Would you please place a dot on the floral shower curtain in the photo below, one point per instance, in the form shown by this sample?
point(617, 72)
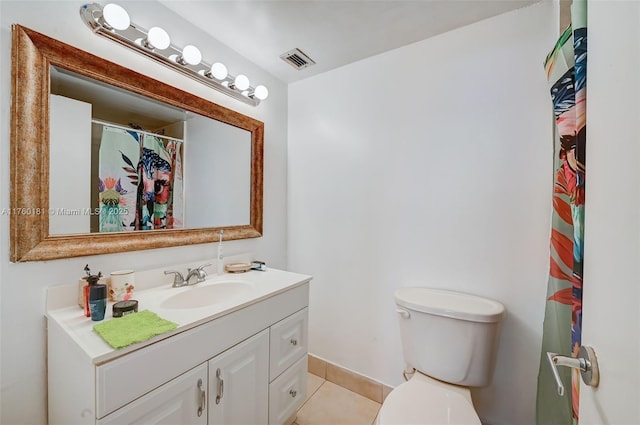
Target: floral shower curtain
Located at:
point(139, 181)
point(156, 173)
point(116, 192)
point(566, 68)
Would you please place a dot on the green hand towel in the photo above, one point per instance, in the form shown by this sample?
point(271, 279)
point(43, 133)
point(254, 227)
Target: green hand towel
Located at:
point(132, 328)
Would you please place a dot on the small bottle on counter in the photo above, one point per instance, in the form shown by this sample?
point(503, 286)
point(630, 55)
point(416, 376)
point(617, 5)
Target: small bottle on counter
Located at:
point(82, 282)
point(97, 301)
point(85, 291)
point(92, 281)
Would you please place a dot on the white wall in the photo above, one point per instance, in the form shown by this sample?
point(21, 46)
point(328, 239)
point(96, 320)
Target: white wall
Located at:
point(226, 186)
point(428, 165)
point(22, 286)
point(66, 114)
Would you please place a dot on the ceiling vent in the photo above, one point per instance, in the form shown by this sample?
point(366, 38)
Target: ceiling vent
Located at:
point(297, 59)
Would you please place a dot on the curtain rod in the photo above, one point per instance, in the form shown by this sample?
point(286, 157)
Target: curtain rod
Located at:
point(122, 127)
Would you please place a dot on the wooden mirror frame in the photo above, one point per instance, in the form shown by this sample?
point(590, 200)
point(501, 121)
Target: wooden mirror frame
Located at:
point(32, 56)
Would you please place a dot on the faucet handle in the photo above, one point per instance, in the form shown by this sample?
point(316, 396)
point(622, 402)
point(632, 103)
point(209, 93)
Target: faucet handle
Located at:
point(178, 279)
point(198, 272)
point(202, 273)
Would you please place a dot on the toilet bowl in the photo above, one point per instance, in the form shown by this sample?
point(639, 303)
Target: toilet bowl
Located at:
point(450, 340)
point(424, 400)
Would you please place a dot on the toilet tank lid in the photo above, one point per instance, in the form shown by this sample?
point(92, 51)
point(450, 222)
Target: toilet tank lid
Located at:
point(457, 305)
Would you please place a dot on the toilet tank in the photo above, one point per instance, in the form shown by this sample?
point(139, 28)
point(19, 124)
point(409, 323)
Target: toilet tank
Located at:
point(450, 336)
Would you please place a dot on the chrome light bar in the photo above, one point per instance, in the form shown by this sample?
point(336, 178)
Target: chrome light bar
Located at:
point(113, 22)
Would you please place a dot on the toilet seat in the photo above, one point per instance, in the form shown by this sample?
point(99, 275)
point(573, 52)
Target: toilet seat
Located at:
point(424, 400)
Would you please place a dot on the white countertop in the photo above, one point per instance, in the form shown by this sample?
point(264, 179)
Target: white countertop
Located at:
point(70, 317)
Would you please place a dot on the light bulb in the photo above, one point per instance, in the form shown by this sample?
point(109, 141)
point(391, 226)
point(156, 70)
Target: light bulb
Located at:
point(191, 55)
point(116, 17)
point(158, 38)
point(219, 71)
point(261, 92)
point(241, 82)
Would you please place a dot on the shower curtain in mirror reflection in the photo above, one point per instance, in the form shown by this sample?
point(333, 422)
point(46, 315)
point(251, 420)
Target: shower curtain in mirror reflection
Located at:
point(566, 68)
point(139, 181)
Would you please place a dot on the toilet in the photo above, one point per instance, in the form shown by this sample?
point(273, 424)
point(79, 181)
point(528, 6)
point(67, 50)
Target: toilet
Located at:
point(450, 339)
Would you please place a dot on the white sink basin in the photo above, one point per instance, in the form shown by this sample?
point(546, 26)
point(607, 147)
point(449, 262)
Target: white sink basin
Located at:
point(202, 296)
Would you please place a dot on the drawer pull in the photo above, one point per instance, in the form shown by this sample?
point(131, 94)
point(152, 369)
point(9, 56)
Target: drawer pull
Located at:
point(203, 398)
point(293, 393)
point(220, 386)
point(294, 342)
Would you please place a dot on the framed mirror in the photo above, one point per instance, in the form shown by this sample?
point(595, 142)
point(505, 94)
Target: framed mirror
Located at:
point(58, 205)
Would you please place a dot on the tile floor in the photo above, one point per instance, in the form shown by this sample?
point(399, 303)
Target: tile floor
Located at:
point(330, 404)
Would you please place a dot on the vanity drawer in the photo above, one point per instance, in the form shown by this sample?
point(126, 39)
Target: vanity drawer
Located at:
point(287, 393)
point(288, 342)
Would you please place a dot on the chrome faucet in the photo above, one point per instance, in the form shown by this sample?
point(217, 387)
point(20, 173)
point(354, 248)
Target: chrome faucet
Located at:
point(179, 280)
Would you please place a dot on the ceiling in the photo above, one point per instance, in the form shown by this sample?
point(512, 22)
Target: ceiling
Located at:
point(112, 104)
point(332, 32)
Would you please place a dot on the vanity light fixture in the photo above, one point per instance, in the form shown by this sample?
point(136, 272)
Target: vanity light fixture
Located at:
point(157, 38)
point(218, 71)
point(261, 92)
point(241, 82)
point(190, 55)
point(116, 17)
point(112, 21)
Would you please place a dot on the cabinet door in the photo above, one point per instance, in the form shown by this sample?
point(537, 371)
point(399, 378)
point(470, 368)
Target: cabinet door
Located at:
point(239, 383)
point(179, 401)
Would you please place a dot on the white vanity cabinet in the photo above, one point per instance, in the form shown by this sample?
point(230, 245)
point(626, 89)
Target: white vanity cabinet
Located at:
point(245, 365)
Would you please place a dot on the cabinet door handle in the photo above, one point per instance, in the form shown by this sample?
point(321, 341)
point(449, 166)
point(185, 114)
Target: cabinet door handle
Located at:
point(203, 398)
point(220, 386)
point(294, 342)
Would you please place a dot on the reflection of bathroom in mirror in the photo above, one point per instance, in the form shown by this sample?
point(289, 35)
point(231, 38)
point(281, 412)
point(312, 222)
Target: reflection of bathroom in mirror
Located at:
point(121, 162)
